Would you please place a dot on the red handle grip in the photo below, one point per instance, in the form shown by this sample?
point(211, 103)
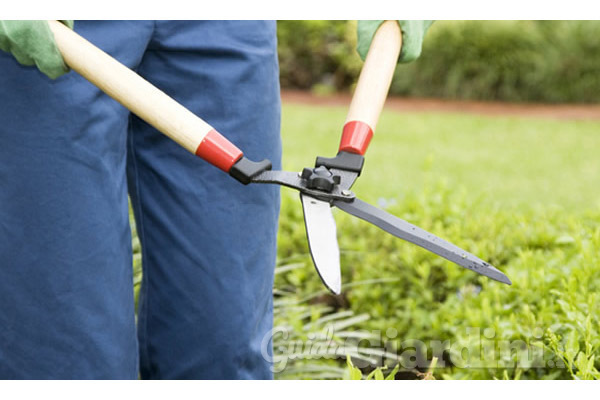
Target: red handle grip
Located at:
point(356, 137)
point(218, 151)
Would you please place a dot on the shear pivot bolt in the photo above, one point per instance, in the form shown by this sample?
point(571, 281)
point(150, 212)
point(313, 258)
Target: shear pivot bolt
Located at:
point(320, 178)
point(346, 192)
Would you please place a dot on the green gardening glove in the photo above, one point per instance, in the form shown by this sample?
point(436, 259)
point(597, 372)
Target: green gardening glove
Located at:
point(413, 33)
point(32, 43)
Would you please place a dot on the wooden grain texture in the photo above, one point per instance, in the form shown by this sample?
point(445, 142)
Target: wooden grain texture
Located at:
point(376, 75)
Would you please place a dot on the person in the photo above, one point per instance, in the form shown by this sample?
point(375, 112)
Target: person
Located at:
point(69, 158)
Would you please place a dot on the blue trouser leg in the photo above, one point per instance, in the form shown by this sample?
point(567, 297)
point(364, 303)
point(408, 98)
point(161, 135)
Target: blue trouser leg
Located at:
point(208, 242)
point(66, 302)
point(66, 307)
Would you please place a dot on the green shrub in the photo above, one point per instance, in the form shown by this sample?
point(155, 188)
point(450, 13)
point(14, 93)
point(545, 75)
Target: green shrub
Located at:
point(543, 61)
point(315, 54)
point(551, 61)
point(551, 257)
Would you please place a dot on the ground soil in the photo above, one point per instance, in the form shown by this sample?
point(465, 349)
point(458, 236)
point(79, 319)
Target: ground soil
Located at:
point(557, 111)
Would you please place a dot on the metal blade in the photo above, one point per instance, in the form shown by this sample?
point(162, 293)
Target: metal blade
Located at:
point(420, 237)
point(322, 241)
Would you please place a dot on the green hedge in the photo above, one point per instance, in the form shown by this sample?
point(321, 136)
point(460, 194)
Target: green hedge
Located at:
point(542, 61)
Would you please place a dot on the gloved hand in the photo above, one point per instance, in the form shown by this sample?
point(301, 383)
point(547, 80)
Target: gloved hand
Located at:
point(32, 43)
point(413, 33)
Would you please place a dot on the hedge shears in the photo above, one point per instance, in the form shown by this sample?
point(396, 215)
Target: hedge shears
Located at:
point(328, 184)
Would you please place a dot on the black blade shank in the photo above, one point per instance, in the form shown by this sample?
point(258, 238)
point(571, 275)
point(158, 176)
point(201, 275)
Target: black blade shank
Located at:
point(420, 237)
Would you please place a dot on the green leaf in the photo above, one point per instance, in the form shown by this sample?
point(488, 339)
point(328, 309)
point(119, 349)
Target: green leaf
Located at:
point(392, 375)
point(355, 373)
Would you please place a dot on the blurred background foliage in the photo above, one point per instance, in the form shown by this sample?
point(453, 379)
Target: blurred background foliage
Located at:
point(517, 61)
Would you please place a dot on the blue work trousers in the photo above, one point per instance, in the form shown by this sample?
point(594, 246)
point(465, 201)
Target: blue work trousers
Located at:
point(69, 157)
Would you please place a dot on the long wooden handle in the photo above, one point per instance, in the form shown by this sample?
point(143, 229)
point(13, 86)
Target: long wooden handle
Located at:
point(144, 99)
point(372, 88)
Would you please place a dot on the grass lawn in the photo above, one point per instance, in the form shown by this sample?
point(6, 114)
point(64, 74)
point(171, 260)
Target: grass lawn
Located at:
point(522, 193)
point(512, 161)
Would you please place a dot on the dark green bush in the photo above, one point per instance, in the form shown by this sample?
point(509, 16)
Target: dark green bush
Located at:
point(317, 53)
point(543, 61)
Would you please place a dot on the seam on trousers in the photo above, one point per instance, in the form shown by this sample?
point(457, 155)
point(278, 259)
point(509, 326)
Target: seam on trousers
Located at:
point(141, 235)
point(145, 267)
